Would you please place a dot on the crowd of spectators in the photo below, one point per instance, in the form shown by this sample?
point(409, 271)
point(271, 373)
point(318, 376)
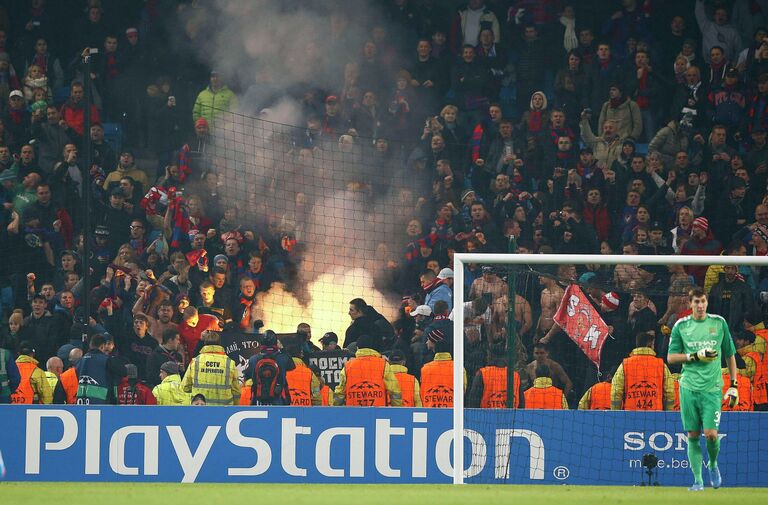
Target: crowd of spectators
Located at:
point(634, 127)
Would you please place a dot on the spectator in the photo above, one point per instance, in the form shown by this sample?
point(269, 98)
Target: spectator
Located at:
point(366, 321)
point(166, 351)
point(267, 373)
point(731, 297)
point(623, 111)
point(607, 146)
point(214, 100)
point(717, 31)
point(468, 22)
point(73, 111)
point(132, 391)
point(543, 395)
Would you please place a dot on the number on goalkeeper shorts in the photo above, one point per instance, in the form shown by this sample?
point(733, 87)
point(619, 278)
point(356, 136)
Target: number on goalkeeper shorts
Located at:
point(592, 336)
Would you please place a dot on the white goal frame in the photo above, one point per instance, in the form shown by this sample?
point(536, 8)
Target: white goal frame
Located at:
point(460, 259)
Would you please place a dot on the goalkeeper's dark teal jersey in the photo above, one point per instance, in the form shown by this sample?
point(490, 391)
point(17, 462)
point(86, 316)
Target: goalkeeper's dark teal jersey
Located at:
point(690, 336)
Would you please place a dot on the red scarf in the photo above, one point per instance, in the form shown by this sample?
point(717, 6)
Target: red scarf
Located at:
point(616, 102)
point(643, 101)
point(245, 321)
point(534, 121)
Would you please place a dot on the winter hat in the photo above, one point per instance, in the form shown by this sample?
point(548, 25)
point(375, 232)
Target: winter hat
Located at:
point(201, 122)
point(611, 300)
point(220, 257)
point(701, 223)
point(170, 367)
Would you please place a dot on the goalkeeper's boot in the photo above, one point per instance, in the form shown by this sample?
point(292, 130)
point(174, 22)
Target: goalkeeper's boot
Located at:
point(697, 486)
point(714, 477)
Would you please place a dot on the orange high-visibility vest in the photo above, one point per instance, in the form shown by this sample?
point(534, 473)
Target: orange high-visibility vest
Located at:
point(365, 382)
point(745, 393)
point(25, 393)
point(643, 383)
point(549, 397)
point(407, 382)
point(676, 405)
point(760, 379)
point(246, 392)
point(300, 385)
point(600, 396)
point(495, 388)
point(437, 384)
point(68, 380)
point(326, 393)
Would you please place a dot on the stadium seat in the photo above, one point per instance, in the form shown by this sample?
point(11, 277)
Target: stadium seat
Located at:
point(113, 133)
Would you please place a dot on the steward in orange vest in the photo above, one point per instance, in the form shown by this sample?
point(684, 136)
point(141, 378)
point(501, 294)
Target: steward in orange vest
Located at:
point(367, 380)
point(409, 385)
point(543, 395)
point(246, 392)
point(489, 385)
point(326, 393)
point(676, 384)
point(65, 391)
point(748, 347)
point(437, 375)
point(746, 403)
point(34, 386)
point(598, 397)
point(642, 381)
point(302, 383)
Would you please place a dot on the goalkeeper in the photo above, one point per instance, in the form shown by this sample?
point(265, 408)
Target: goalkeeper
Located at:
point(698, 341)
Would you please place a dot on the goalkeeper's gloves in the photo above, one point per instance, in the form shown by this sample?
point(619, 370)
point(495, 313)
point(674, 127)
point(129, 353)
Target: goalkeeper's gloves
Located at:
point(732, 394)
point(705, 355)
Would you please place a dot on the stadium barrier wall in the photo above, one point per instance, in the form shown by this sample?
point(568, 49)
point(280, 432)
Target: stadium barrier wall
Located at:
point(361, 445)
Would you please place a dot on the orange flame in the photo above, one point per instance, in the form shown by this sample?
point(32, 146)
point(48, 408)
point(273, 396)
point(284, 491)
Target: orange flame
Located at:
point(330, 294)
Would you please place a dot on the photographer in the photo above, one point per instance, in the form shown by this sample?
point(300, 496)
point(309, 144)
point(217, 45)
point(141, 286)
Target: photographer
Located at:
point(583, 239)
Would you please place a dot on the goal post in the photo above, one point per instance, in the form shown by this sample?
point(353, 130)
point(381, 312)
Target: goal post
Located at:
point(463, 433)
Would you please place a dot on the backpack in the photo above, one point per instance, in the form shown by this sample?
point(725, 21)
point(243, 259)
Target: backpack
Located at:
point(266, 376)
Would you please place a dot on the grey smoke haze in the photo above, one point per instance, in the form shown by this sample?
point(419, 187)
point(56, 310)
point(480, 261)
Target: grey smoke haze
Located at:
point(323, 197)
point(272, 47)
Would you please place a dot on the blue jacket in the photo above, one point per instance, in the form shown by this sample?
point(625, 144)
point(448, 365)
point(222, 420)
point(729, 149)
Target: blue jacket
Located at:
point(440, 292)
point(11, 375)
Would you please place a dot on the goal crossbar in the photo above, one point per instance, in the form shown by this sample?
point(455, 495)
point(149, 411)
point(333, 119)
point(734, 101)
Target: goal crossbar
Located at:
point(460, 259)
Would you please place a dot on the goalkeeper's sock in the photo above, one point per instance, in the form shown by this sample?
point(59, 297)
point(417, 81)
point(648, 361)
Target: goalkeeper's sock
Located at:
point(713, 449)
point(695, 458)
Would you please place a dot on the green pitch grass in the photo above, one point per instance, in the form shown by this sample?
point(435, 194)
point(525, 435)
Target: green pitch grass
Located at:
point(335, 494)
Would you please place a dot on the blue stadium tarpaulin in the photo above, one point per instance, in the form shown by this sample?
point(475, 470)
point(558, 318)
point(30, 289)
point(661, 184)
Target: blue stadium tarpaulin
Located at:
point(364, 445)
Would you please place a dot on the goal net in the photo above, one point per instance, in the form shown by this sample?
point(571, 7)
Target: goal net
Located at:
point(564, 384)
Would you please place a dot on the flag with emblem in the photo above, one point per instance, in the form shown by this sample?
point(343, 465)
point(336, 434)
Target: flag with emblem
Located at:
point(583, 324)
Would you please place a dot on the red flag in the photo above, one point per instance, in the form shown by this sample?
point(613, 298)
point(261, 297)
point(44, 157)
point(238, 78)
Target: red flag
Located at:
point(581, 321)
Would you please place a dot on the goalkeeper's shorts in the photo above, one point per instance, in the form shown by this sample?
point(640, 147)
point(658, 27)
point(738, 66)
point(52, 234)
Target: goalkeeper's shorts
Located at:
point(700, 409)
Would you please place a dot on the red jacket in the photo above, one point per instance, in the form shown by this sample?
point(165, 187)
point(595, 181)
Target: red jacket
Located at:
point(141, 394)
point(600, 219)
point(74, 116)
point(191, 336)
